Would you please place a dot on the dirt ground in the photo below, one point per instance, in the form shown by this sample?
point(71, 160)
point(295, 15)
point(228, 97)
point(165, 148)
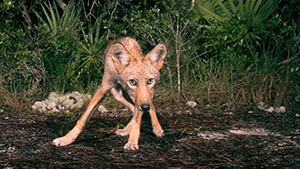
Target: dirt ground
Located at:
point(200, 137)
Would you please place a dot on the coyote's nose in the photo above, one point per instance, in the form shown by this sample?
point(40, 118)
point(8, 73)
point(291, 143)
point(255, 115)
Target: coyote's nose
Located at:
point(145, 107)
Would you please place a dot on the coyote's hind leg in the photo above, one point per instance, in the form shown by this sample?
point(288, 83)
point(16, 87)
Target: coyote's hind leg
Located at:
point(117, 93)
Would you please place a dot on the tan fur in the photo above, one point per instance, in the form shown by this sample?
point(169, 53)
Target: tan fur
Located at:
point(126, 71)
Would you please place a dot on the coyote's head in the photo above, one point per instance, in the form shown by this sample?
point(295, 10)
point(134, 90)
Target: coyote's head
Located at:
point(138, 74)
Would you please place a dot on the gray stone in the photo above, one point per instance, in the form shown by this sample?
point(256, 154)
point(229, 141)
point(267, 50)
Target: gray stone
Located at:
point(191, 104)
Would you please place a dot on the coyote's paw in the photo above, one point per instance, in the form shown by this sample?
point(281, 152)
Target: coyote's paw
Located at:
point(62, 141)
point(159, 133)
point(131, 146)
point(123, 132)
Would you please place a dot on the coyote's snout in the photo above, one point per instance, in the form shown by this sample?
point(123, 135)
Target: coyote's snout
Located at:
point(131, 78)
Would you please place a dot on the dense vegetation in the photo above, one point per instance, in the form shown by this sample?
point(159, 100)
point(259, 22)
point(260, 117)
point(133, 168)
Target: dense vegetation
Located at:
point(219, 51)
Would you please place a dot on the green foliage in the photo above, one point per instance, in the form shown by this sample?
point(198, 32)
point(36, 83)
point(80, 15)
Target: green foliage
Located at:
point(235, 51)
point(243, 48)
point(74, 56)
point(254, 12)
point(61, 32)
point(22, 74)
point(169, 24)
point(88, 65)
point(59, 24)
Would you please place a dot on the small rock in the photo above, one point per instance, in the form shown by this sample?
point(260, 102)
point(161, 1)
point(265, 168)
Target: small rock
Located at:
point(191, 104)
point(34, 107)
point(250, 112)
point(40, 104)
point(55, 109)
point(102, 109)
point(282, 109)
point(53, 97)
point(60, 107)
point(277, 110)
point(37, 151)
point(87, 98)
point(47, 101)
point(229, 113)
point(67, 103)
point(51, 105)
point(56, 102)
point(270, 110)
point(76, 93)
point(11, 149)
point(260, 105)
point(79, 104)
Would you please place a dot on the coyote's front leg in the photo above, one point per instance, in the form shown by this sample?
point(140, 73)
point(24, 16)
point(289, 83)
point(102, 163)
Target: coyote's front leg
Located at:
point(134, 126)
point(72, 135)
point(157, 130)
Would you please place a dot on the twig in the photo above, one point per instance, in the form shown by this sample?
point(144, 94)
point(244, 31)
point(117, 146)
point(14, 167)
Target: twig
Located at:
point(193, 4)
point(287, 61)
point(198, 148)
point(61, 4)
point(25, 13)
point(220, 156)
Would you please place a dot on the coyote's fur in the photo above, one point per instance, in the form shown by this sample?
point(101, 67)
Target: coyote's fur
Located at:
point(126, 73)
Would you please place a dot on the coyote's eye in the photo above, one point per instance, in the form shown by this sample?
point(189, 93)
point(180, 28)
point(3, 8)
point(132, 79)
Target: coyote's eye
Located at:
point(150, 81)
point(132, 82)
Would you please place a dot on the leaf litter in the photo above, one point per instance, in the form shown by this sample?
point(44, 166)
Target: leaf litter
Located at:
point(194, 138)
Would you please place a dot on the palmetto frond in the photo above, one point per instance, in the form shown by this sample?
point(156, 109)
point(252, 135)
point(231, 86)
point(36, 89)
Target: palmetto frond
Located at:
point(254, 12)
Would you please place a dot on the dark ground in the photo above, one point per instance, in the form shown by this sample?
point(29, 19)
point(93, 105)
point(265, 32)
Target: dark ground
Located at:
point(194, 138)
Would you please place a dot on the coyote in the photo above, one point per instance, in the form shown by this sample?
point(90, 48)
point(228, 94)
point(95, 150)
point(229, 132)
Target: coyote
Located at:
point(131, 78)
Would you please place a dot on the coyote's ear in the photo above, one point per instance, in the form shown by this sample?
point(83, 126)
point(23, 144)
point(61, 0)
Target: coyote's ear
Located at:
point(157, 55)
point(121, 57)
